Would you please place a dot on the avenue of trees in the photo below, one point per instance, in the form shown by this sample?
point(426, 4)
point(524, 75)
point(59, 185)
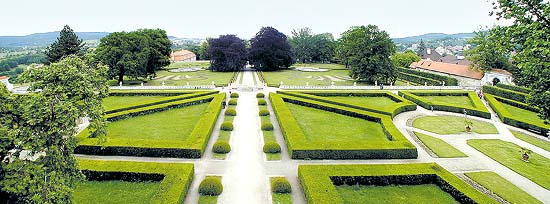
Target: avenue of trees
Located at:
point(227, 53)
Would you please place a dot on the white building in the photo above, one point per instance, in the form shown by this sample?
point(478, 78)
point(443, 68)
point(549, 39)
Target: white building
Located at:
point(4, 80)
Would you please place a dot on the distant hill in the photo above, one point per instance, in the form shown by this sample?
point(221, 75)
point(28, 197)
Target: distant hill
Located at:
point(44, 39)
point(433, 37)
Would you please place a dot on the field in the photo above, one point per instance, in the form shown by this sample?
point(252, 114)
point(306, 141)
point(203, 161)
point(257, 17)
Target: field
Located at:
point(426, 193)
point(447, 125)
point(439, 147)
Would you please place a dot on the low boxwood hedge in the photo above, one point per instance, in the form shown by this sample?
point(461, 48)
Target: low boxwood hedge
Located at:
point(280, 185)
point(227, 126)
point(211, 186)
point(260, 95)
point(514, 88)
point(319, 181)
point(396, 147)
point(418, 79)
point(230, 112)
point(234, 95)
point(221, 147)
point(267, 126)
point(262, 102)
point(271, 148)
point(416, 96)
point(232, 102)
point(175, 178)
point(162, 100)
point(192, 147)
point(505, 93)
point(263, 112)
point(537, 126)
point(137, 92)
point(449, 81)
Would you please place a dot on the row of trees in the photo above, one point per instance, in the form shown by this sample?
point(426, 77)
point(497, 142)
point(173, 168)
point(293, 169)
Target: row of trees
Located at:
point(309, 47)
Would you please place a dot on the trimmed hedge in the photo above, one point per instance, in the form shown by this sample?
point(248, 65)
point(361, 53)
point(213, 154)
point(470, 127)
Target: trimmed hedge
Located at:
point(260, 95)
point(230, 112)
point(449, 81)
point(211, 186)
point(192, 147)
point(416, 96)
point(271, 148)
point(267, 126)
point(396, 147)
point(402, 105)
point(175, 178)
point(417, 79)
point(227, 126)
point(221, 147)
point(280, 185)
point(232, 102)
point(538, 127)
point(262, 102)
point(137, 92)
point(234, 95)
point(161, 101)
point(319, 181)
point(514, 88)
point(263, 112)
point(505, 93)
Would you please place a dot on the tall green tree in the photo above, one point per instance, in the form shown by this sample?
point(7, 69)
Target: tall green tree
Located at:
point(486, 53)
point(40, 129)
point(67, 44)
point(404, 59)
point(529, 38)
point(309, 47)
point(203, 50)
point(367, 50)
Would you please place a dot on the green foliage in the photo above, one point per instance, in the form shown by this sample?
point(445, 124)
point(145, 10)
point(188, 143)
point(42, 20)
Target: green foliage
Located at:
point(152, 102)
point(260, 95)
point(269, 50)
point(234, 95)
point(404, 59)
point(230, 112)
point(70, 89)
point(420, 77)
point(221, 147)
point(367, 51)
point(203, 51)
point(502, 187)
point(506, 93)
point(67, 44)
point(280, 185)
point(263, 112)
point(211, 186)
point(486, 53)
point(514, 88)
point(309, 47)
point(419, 97)
point(267, 126)
point(262, 102)
point(10, 63)
point(446, 125)
point(522, 120)
point(227, 53)
point(232, 102)
point(271, 148)
point(227, 126)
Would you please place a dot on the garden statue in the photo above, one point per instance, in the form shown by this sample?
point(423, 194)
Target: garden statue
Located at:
point(307, 83)
point(425, 83)
point(375, 83)
point(354, 83)
point(119, 83)
point(525, 155)
point(141, 83)
point(332, 83)
point(468, 123)
point(163, 83)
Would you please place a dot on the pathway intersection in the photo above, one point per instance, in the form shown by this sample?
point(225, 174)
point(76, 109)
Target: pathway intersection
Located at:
point(245, 172)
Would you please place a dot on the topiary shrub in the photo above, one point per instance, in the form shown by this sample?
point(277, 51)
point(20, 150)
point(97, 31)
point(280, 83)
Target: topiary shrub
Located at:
point(263, 112)
point(221, 147)
point(211, 186)
point(262, 102)
point(280, 185)
point(267, 126)
point(234, 95)
point(272, 147)
point(227, 126)
point(260, 95)
point(230, 112)
point(232, 102)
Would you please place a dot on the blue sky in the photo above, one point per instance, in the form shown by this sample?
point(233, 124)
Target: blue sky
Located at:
point(210, 18)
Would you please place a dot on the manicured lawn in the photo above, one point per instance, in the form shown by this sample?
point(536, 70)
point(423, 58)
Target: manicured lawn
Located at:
point(509, 155)
point(175, 65)
point(502, 187)
point(336, 73)
point(532, 140)
point(194, 78)
point(320, 125)
point(116, 102)
point(376, 102)
point(525, 115)
point(280, 198)
point(454, 100)
point(269, 136)
point(439, 147)
point(208, 199)
point(115, 192)
point(446, 125)
point(224, 135)
point(175, 124)
point(426, 193)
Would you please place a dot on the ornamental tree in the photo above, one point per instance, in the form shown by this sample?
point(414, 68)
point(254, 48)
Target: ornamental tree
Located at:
point(270, 50)
point(227, 53)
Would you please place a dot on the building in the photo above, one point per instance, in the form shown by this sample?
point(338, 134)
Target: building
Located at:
point(429, 54)
point(183, 56)
point(4, 80)
point(453, 59)
point(502, 75)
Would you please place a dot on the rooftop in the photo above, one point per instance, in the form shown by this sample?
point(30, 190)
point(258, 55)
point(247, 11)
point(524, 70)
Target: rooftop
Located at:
point(447, 68)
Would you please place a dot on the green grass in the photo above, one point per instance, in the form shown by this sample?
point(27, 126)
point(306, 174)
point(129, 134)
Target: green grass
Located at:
point(224, 135)
point(375, 102)
point(453, 100)
point(175, 65)
point(502, 187)
point(525, 115)
point(532, 140)
point(446, 125)
point(175, 124)
point(319, 65)
point(117, 102)
point(509, 155)
point(280, 198)
point(269, 136)
point(316, 127)
point(115, 192)
point(427, 193)
point(295, 77)
point(439, 147)
point(194, 78)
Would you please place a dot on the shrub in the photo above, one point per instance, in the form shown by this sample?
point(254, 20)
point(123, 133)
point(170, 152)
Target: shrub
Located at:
point(272, 147)
point(227, 126)
point(449, 81)
point(514, 88)
point(267, 126)
point(232, 102)
point(234, 95)
point(260, 95)
point(262, 102)
point(280, 185)
point(211, 186)
point(505, 93)
point(221, 147)
point(264, 112)
point(230, 112)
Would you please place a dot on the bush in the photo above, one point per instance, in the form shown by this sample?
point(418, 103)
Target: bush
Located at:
point(272, 148)
point(230, 112)
point(227, 126)
point(514, 88)
point(417, 97)
point(505, 93)
point(211, 186)
point(232, 102)
point(262, 102)
point(267, 126)
point(260, 95)
point(264, 112)
point(234, 95)
point(280, 185)
point(221, 147)
point(449, 81)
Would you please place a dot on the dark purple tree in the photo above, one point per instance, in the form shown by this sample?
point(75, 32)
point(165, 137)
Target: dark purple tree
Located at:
point(227, 53)
point(270, 50)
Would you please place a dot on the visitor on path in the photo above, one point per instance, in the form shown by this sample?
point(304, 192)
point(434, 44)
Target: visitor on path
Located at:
point(224, 104)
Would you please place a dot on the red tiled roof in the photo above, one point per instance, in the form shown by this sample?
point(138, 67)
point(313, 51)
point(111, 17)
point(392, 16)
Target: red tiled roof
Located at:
point(182, 55)
point(447, 68)
point(3, 77)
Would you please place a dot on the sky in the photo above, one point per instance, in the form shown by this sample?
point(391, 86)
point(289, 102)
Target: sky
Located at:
point(211, 18)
